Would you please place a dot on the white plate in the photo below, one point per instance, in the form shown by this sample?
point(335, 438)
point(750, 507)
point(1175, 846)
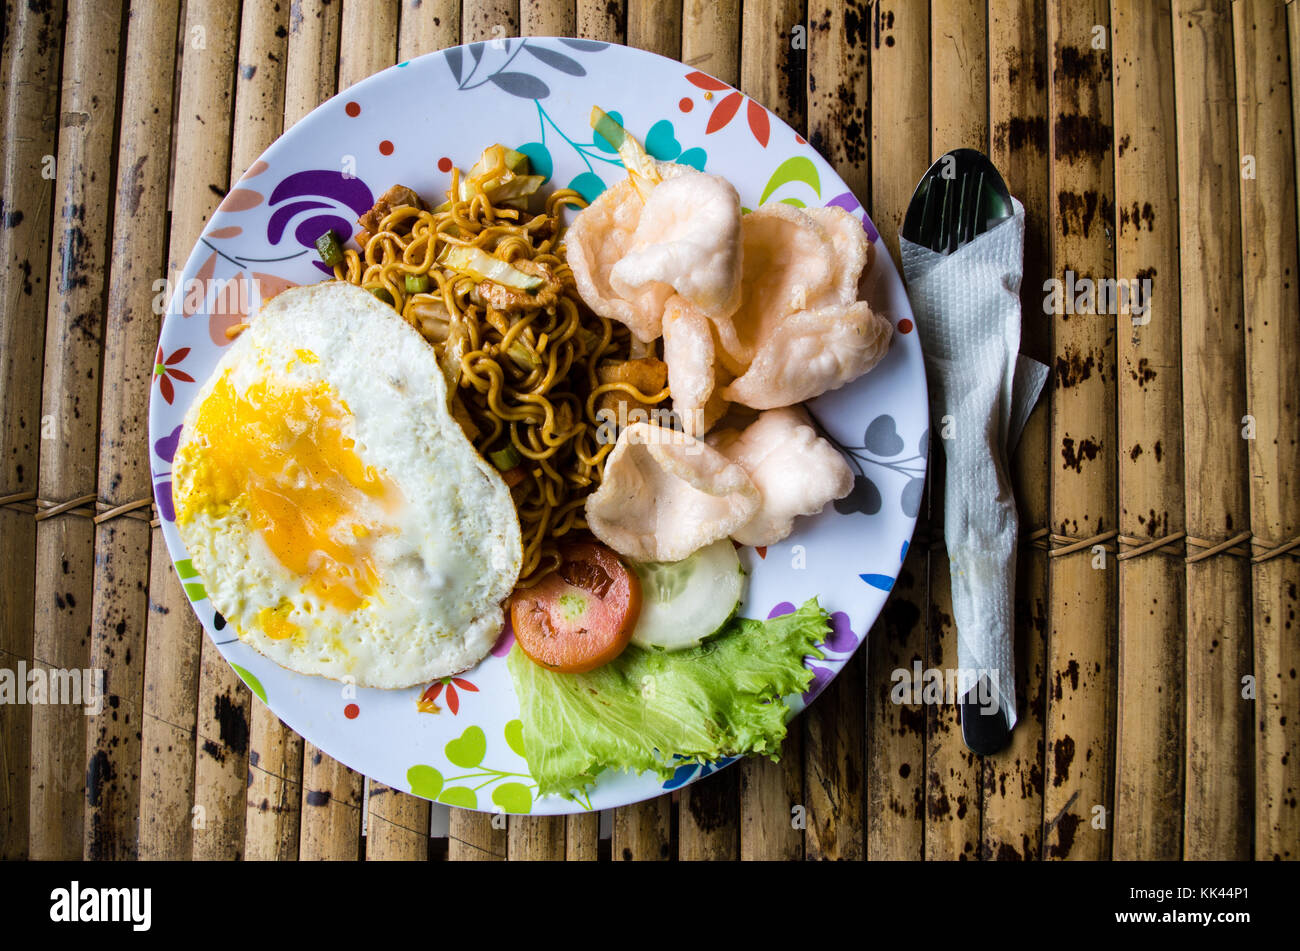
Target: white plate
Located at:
point(410, 124)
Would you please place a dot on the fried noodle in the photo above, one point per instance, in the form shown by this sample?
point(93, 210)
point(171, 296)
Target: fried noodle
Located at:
point(524, 376)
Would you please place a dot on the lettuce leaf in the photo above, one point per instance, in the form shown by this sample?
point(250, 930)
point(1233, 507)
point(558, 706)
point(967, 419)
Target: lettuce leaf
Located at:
point(723, 698)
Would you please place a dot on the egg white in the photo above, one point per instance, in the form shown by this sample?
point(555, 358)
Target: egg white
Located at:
point(445, 560)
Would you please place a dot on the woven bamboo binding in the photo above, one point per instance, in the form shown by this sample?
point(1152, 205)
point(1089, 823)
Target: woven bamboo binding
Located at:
point(85, 506)
point(1128, 546)
point(1056, 545)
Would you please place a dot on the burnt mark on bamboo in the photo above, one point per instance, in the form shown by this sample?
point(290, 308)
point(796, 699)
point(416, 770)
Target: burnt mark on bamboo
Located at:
point(1138, 215)
point(901, 615)
point(232, 723)
point(937, 806)
point(100, 772)
point(75, 257)
point(1074, 457)
point(1062, 757)
point(1079, 136)
point(1021, 132)
point(1143, 374)
point(1077, 212)
point(881, 24)
point(1066, 827)
point(1072, 368)
point(711, 804)
point(133, 186)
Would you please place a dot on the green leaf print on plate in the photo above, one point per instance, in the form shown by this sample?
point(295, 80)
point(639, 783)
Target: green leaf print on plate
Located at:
point(425, 781)
point(515, 736)
point(513, 797)
point(798, 168)
point(467, 751)
point(193, 589)
point(459, 796)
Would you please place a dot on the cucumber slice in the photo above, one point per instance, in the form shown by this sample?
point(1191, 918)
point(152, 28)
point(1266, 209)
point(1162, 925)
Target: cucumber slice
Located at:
point(683, 602)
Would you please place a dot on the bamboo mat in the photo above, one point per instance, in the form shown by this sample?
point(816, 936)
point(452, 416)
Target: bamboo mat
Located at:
point(1157, 640)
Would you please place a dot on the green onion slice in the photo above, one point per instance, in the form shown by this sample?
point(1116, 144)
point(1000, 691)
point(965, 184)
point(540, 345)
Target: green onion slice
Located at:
point(329, 249)
point(506, 459)
point(640, 166)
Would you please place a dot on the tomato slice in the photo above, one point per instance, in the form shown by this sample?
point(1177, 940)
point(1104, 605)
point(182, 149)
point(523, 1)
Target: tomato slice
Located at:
point(581, 615)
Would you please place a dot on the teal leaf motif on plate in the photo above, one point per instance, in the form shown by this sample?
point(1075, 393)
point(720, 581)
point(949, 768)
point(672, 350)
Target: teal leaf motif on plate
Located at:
point(589, 185)
point(539, 158)
point(695, 158)
point(661, 143)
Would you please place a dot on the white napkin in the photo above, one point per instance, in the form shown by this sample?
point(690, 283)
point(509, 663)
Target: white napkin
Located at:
point(967, 309)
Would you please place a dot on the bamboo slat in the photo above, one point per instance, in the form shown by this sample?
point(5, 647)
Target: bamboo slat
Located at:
point(603, 20)
point(1272, 334)
point(397, 825)
point(332, 798)
point(774, 57)
point(489, 20)
point(541, 838)
point(548, 18)
point(952, 772)
point(1081, 698)
point(427, 25)
point(1150, 709)
point(643, 830)
point(900, 154)
point(1219, 755)
point(834, 729)
point(225, 704)
point(472, 835)
point(368, 39)
point(582, 837)
point(655, 25)
point(708, 813)
point(62, 781)
point(958, 118)
point(313, 55)
point(1293, 28)
point(119, 607)
point(1012, 808)
point(273, 812)
point(333, 794)
point(536, 838)
point(33, 45)
point(711, 37)
point(170, 811)
point(895, 776)
point(773, 72)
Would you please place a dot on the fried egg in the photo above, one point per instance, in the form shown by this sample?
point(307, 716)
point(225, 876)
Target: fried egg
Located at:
point(338, 516)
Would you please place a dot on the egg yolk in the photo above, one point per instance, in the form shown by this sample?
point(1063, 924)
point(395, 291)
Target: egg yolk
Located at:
point(280, 452)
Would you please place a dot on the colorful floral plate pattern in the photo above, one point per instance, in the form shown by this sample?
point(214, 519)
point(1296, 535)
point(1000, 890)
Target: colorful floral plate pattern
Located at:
point(411, 124)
